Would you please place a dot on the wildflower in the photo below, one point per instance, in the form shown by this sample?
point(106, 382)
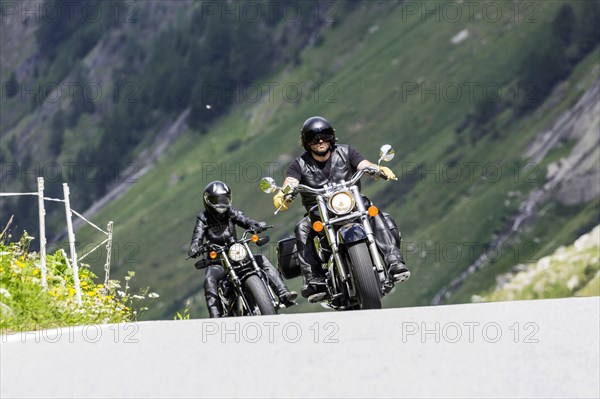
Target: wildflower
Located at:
point(121, 293)
point(4, 292)
point(137, 297)
point(153, 295)
point(113, 284)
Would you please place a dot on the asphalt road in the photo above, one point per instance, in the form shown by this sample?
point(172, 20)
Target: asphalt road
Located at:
point(544, 348)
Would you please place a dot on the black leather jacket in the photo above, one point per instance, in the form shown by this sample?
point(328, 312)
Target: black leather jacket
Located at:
point(313, 176)
point(219, 229)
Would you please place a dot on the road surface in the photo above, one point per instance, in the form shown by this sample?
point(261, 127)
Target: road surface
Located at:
point(544, 348)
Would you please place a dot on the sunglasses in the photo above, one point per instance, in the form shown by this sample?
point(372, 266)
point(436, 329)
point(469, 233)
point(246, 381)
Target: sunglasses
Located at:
point(315, 138)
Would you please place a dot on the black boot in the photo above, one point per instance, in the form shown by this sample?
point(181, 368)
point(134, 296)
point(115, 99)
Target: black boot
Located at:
point(288, 298)
point(214, 312)
point(399, 272)
point(307, 278)
point(313, 284)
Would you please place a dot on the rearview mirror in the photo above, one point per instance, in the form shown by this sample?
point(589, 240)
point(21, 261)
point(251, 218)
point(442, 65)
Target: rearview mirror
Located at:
point(386, 153)
point(267, 185)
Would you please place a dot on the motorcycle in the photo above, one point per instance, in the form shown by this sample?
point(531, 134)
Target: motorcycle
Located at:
point(355, 276)
point(245, 290)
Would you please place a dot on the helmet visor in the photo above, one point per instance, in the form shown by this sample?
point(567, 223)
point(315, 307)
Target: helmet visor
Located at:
point(313, 137)
point(218, 201)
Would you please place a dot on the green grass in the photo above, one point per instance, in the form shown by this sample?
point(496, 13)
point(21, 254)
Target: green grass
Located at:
point(368, 72)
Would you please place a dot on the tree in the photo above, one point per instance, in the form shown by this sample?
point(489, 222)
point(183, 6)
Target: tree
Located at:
point(539, 73)
point(587, 34)
point(57, 128)
point(563, 25)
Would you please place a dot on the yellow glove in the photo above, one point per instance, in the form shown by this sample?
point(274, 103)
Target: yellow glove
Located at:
point(388, 173)
point(279, 201)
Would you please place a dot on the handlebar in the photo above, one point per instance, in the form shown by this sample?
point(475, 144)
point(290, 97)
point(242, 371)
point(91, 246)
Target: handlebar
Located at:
point(355, 178)
point(301, 188)
point(211, 246)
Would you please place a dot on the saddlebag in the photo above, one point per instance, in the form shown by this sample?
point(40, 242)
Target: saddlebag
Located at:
point(287, 258)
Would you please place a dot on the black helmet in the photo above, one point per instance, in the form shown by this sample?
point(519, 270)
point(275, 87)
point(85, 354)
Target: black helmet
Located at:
point(315, 128)
point(217, 198)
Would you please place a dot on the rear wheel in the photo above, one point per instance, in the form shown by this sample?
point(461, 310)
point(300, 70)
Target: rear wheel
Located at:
point(365, 280)
point(259, 296)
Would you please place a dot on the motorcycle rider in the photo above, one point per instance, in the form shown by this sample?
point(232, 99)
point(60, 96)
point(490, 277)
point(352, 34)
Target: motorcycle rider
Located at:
point(216, 224)
point(322, 163)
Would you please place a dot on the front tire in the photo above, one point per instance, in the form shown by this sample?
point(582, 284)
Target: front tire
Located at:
point(366, 283)
point(259, 295)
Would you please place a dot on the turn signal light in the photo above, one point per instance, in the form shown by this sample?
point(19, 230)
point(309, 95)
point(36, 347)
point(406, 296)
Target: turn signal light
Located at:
point(373, 211)
point(212, 255)
point(254, 238)
point(318, 226)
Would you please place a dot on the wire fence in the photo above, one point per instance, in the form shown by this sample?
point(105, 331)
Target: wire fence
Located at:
point(72, 261)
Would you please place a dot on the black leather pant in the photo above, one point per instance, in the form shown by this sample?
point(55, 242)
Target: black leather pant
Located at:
point(215, 273)
point(308, 257)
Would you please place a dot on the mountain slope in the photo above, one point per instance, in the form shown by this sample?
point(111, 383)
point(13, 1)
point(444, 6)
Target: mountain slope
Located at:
point(443, 92)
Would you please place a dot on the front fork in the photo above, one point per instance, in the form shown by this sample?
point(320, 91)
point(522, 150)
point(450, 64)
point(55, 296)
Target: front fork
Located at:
point(237, 284)
point(370, 235)
point(263, 274)
point(332, 243)
point(372, 244)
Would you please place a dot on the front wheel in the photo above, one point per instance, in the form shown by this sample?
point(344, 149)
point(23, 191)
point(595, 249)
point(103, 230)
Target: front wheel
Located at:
point(365, 280)
point(259, 296)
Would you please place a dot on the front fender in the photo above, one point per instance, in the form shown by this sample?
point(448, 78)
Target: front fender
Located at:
point(351, 232)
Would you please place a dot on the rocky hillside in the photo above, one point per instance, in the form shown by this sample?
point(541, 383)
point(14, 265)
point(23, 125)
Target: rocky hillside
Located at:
point(572, 270)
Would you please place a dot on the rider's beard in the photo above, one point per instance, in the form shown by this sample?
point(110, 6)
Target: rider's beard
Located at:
point(322, 153)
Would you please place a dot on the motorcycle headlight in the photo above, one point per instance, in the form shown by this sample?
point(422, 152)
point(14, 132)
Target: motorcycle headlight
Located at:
point(341, 203)
point(237, 252)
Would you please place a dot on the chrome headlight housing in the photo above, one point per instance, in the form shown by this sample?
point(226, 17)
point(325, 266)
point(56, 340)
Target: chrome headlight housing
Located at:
point(237, 252)
point(341, 203)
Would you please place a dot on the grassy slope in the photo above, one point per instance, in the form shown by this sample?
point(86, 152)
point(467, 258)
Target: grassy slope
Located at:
point(368, 71)
point(568, 271)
